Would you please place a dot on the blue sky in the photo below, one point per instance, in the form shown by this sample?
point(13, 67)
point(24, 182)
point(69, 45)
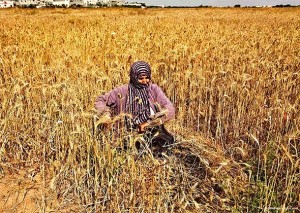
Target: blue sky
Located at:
point(218, 2)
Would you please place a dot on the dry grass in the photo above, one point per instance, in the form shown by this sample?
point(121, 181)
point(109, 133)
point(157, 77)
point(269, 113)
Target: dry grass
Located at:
point(233, 75)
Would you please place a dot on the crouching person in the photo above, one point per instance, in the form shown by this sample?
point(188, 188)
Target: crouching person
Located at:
point(145, 103)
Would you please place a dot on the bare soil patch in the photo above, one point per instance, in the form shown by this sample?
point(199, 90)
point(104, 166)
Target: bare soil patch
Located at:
point(25, 191)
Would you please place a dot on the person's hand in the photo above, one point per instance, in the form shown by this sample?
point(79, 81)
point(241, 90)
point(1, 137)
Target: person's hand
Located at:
point(156, 119)
point(155, 122)
point(143, 127)
point(160, 114)
point(104, 120)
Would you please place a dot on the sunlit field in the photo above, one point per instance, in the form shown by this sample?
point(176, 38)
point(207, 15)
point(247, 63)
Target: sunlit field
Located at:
point(232, 74)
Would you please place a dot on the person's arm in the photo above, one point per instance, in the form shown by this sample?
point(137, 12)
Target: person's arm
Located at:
point(164, 103)
point(105, 103)
point(166, 113)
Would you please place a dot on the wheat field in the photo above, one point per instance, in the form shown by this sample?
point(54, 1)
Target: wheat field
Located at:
point(232, 74)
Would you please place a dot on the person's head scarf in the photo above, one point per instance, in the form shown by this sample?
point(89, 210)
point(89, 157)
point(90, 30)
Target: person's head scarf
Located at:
point(138, 94)
point(138, 69)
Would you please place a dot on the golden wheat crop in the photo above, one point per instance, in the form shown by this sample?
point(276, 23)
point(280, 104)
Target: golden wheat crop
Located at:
point(233, 75)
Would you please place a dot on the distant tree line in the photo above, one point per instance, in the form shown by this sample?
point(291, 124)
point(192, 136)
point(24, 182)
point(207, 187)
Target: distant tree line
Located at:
point(200, 6)
point(237, 6)
point(281, 5)
point(285, 5)
point(139, 5)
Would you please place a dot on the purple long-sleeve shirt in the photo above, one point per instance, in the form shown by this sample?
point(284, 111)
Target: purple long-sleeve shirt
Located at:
point(116, 99)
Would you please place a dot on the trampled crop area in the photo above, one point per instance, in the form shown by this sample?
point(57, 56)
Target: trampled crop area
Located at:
point(232, 74)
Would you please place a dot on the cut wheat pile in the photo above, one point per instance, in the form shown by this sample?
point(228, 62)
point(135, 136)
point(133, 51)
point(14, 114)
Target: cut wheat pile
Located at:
point(232, 74)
